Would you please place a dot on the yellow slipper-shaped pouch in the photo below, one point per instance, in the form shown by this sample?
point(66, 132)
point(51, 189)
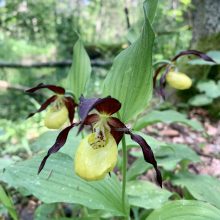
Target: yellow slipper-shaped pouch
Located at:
point(55, 118)
point(94, 161)
point(178, 80)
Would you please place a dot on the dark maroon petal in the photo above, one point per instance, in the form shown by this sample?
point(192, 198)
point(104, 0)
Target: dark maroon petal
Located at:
point(118, 128)
point(194, 52)
point(44, 105)
point(157, 73)
point(148, 154)
point(56, 89)
point(70, 105)
point(106, 105)
point(85, 106)
point(163, 81)
point(90, 119)
point(60, 141)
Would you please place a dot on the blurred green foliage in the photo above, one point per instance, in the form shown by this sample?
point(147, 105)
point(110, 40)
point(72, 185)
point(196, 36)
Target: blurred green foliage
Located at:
point(39, 31)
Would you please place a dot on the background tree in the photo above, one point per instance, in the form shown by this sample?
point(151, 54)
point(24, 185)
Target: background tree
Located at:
point(206, 25)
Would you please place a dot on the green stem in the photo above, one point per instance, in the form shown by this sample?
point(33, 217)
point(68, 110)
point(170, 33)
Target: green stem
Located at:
point(124, 173)
point(161, 62)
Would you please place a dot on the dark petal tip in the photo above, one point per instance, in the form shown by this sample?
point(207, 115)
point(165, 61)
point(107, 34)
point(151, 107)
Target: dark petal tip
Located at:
point(59, 143)
point(163, 81)
point(196, 53)
point(118, 128)
point(55, 89)
point(70, 105)
point(44, 105)
point(158, 70)
point(148, 154)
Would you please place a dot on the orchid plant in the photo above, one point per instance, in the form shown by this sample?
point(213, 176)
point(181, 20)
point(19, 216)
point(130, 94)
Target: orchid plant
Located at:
point(127, 91)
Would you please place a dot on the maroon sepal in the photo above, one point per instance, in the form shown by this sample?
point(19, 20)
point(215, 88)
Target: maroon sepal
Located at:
point(107, 105)
point(194, 52)
point(56, 89)
point(92, 118)
point(70, 105)
point(163, 82)
point(85, 106)
point(44, 105)
point(117, 128)
point(156, 73)
point(148, 154)
point(60, 141)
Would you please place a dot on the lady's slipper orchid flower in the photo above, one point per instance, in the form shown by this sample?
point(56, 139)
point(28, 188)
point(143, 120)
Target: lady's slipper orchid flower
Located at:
point(61, 107)
point(178, 81)
point(97, 153)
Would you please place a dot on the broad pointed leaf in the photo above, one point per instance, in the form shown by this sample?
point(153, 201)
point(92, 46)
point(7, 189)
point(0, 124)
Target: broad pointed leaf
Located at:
point(167, 116)
point(130, 78)
point(58, 183)
point(185, 209)
point(80, 71)
point(8, 203)
point(210, 88)
point(201, 187)
point(146, 194)
point(200, 100)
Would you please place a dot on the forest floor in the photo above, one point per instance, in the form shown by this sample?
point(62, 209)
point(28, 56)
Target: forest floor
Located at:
point(206, 144)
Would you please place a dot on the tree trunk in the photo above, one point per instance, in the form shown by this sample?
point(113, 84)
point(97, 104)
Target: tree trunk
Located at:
point(206, 25)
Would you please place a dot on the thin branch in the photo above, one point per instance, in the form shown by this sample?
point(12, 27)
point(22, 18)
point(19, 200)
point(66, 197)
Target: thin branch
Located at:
point(52, 64)
point(127, 17)
point(211, 156)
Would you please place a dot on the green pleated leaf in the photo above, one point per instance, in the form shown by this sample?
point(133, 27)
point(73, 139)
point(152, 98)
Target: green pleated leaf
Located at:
point(185, 209)
point(130, 78)
point(138, 167)
point(210, 88)
point(44, 211)
point(167, 116)
point(168, 155)
point(200, 100)
point(8, 203)
point(80, 70)
point(201, 187)
point(146, 194)
point(58, 183)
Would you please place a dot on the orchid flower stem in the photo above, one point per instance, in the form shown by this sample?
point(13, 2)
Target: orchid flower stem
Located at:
point(124, 173)
point(162, 62)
